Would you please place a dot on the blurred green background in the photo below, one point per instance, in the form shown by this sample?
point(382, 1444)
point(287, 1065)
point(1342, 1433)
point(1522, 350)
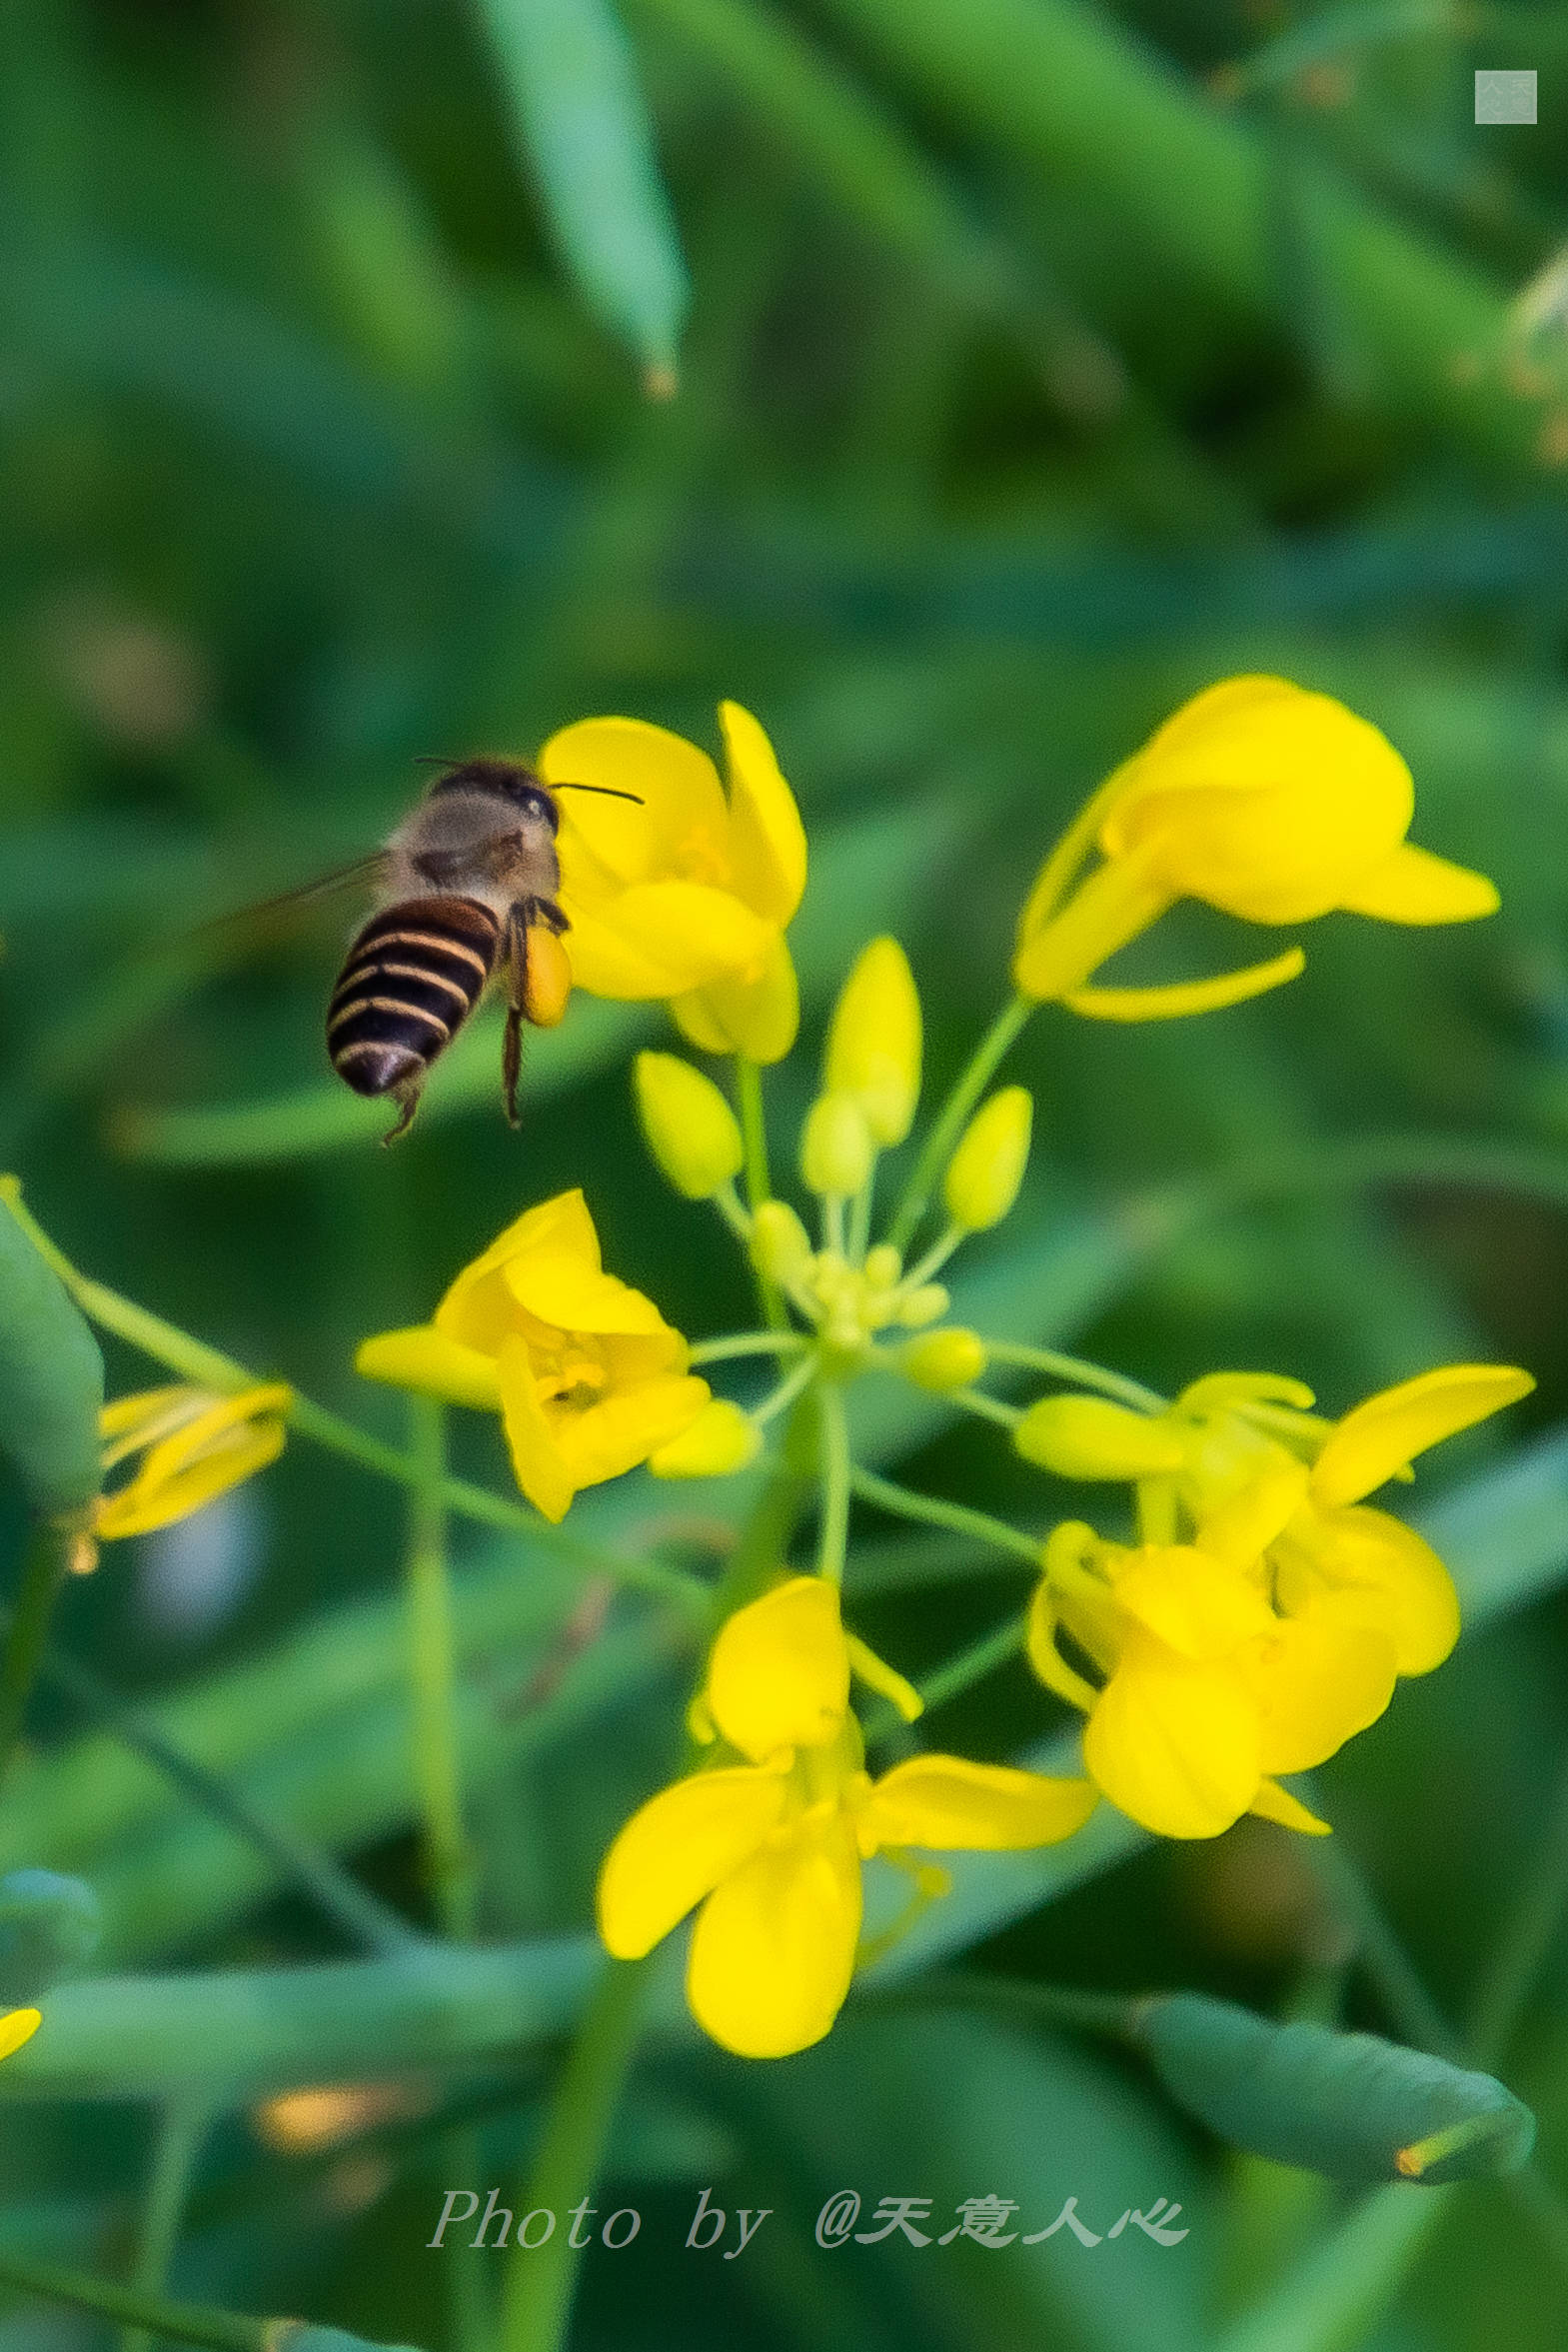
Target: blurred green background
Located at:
point(1041, 364)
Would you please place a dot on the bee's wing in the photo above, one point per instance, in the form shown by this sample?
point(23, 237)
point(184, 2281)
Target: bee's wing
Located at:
point(269, 915)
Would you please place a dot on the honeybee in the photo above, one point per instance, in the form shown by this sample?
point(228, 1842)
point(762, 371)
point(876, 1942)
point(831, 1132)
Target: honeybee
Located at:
point(467, 889)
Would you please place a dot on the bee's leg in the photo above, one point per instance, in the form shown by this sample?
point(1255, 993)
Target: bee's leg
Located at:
point(516, 998)
point(406, 1098)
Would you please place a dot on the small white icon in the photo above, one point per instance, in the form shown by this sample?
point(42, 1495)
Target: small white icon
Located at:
point(1505, 96)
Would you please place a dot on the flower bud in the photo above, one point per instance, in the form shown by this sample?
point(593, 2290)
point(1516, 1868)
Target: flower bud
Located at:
point(1091, 1437)
point(923, 1306)
point(883, 1266)
point(986, 1171)
point(950, 1359)
point(690, 1128)
point(721, 1440)
point(780, 1249)
point(874, 1045)
point(836, 1146)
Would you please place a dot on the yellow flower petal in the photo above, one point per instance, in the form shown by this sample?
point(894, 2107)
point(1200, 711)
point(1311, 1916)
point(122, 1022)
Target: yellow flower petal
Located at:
point(1382, 1436)
point(1179, 998)
point(427, 1361)
point(627, 1425)
point(150, 1410)
point(756, 1013)
point(675, 1849)
point(779, 1671)
point(1047, 1658)
point(1412, 885)
point(537, 1462)
point(168, 1486)
point(575, 1296)
point(1196, 1605)
point(1175, 1745)
point(686, 934)
point(16, 2027)
point(865, 1667)
point(1318, 1681)
point(1273, 1804)
point(1384, 1573)
point(1264, 800)
point(947, 1801)
point(1215, 1390)
point(720, 1440)
point(766, 837)
point(682, 825)
point(1243, 1526)
point(479, 1307)
point(774, 1947)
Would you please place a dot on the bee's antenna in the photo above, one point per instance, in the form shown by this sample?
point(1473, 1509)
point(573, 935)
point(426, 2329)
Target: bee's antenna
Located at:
point(609, 791)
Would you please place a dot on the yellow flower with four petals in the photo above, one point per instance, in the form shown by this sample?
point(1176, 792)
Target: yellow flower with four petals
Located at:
point(684, 892)
point(1272, 803)
point(587, 1376)
point(769, 1845)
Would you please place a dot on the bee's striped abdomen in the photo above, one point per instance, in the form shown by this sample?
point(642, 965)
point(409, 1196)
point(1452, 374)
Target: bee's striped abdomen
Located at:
point(409, 982)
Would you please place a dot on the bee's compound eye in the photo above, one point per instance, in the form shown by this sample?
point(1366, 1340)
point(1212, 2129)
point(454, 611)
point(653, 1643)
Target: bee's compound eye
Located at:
point(538, 802)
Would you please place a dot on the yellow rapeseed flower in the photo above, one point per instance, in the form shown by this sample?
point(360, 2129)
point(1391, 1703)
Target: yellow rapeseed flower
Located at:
point(683, 893)
point(586, 1373)
point(194, 1444)
point(1242, 1463)
point(768, 1839)
point(1269, 802)
point(1208, 1690)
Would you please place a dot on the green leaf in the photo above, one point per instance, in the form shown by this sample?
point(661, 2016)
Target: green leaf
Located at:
point(49, 1927)
point(51, 1375)
point(1348, 2104)
point(577, 105)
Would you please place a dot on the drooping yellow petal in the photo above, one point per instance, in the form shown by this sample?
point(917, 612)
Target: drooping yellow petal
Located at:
point(16, 2027)
point(756, 1011)
point(1172, 1744)
point(947, 1801)
point(1411, 886)
point(1045, 1656)
point(1197, 1606)
point(433, 1365)
point(779, 1675)
point(1177, 999)
point(679, 824)
point(170, 1486)
point(1318, 1680)
point(537, 1462)
point(1383, 1573)
point(1273, 1804)
point(766, 837)
point(1382, 1436)
point(865, 1667)
point(150, 1412)
point(675, 1849)
point(773, 1950)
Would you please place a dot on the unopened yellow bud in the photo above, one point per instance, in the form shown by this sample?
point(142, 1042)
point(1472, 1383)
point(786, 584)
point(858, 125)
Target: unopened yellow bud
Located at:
point(1089, 1437)
point(690, 1128)
point(836, 1146)
point(883, 1266)
point(986, 1171)
point(950, 1359)
point(925, 1305)
point(721, 1440)
point(874, 1045)
point(780, 1249)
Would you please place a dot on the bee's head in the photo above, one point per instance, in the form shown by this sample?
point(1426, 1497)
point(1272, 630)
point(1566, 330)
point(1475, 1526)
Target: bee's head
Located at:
point(504, 779)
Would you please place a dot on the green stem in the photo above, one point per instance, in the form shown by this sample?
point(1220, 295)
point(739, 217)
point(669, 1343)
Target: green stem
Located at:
point(986, 1408)
point(45, 1563)
point(447, 1856)
point(537, 2294)
point(1081, 1375)
point(182, 2129)
point(749, 1344)
point(787, 1391)
point(759, 1180)
point(837, 1470)
point(218, 2331)
point(1115, 2014)
point(861, 1219)
point(966, 1090)
point(958, 1517)
point(968, 1666)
